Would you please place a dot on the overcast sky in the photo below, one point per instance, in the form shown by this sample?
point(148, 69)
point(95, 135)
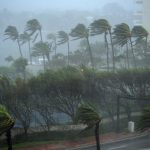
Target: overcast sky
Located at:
point(35, 5)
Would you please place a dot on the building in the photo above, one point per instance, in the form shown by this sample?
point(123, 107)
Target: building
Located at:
point(142, 13)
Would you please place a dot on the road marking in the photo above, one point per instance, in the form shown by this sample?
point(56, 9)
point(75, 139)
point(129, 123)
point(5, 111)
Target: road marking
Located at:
point(123, 146)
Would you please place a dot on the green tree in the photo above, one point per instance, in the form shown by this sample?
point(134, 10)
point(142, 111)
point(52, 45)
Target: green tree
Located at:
point(81, 32)
point(64, 38)
point(52, 38)
point(33, 27)
point(140, 33)
point(42, 49)
point(145, 118)
point(122, 36)
point(12, 34)
point(25, 38)
point(6, 123)
point(102, 26)
point(88, 115)
point(9, 58)
point(20, 65)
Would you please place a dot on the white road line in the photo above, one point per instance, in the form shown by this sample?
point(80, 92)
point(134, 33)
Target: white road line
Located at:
point(123, 146)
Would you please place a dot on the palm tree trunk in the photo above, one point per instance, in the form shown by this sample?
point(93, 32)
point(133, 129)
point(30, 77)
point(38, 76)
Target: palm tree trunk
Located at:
point(19, 47)
point(133, 53)
point(29, 46)
point(97, 136)
point(127, 55)
point(41, 35)
point(55, 47)
point(107, 49)
point(9, 141)
point(90, 53)
point(68, 51)
point(112, 47)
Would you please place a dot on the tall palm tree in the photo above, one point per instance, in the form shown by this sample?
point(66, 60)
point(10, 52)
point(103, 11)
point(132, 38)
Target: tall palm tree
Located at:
point(34, 27)
point(52, 38)
point(140, 33)
point(102, 26)
point(12, 34)
point(64, 38)
point(122, 36)
point(81, 32)
point(6, 123)
point(88, 115)
point(25, 38)
point(42, 49)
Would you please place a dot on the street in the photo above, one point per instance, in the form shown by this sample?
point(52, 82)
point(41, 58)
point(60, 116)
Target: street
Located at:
point(140, 143)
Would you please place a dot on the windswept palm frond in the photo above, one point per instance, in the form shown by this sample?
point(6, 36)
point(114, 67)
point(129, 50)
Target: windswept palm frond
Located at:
point(11, 33)
point(88, 115)
point(99, 27)
point(6, 121)
point(63, 37)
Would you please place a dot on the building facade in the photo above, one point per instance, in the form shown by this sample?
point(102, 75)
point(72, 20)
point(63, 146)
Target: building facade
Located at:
point(142, 13)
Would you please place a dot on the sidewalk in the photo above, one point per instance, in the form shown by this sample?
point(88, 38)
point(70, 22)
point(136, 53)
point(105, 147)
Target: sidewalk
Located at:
point(84, 142)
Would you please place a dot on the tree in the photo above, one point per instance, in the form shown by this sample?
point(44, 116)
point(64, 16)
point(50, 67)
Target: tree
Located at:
point(80, 32)
point(88, 115)
point(20, 65)
point(42, 49)
point(64, 38)
point(102, 26)
point(122, 36)
point(6, 124)
point(140, 33)
point(33, 27)
point(12, 34)
point(25, 38)
point(52, 38)
point(9, 58)
point(145, 118)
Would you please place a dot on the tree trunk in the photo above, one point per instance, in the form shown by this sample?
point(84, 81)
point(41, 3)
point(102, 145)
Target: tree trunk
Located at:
point(9, 140)
point(127, 55)
point(68, 51)
point(133, 53)
point(97, 136)
point(112, 47)
point(30, 57)
point(90, 53)
point(107, 49)
point(19, 48)
point(41, 35)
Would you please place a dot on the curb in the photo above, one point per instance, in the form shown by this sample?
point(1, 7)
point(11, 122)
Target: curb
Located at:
point(110, 142)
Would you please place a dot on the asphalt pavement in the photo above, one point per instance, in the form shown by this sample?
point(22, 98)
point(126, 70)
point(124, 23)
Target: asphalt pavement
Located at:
point(135, 143)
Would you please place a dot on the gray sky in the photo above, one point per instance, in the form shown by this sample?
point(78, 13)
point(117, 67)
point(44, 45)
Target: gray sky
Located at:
point(40, 5)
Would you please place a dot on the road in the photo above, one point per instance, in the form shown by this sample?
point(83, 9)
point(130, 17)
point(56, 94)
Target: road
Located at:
point(140, 143)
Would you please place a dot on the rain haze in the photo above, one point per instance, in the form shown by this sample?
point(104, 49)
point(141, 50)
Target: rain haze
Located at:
point(40, 5)
point(74, 73)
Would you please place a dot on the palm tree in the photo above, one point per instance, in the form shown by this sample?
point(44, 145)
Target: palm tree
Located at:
point(52, 38)
point(80, 32)
point(88, 115)
point(6, 123)
point(64, 38)
point(12, 33)
point(42, 49)
point(25, 38)
point(33, 27)
point(140, 33)
point(122, 36)
point(102, 26)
